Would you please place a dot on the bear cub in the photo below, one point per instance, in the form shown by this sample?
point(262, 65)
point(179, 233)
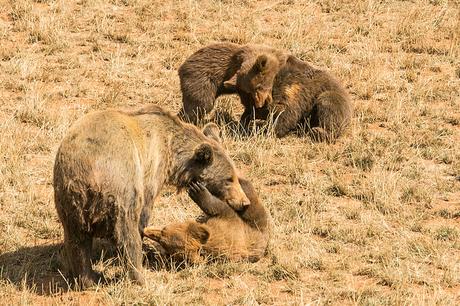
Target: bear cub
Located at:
point(221, 233)
point(227, 68)
point(308, 100)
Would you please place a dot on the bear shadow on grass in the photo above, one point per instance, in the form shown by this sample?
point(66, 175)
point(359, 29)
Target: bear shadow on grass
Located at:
point(34, 268)
point(39, 268)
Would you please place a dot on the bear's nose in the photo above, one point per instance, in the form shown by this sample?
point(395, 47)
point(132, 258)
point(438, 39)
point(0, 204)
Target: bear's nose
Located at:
point(245, 201)
point(244, 206)
point(262, 99)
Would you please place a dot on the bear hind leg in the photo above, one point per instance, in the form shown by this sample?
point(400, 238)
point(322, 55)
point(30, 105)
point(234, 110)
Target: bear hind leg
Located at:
point(329, 117)
point(129, 245)
point(77, 253)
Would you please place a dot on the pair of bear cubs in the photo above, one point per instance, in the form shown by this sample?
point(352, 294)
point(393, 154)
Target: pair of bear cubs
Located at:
point(111, 166)
point(271, 84)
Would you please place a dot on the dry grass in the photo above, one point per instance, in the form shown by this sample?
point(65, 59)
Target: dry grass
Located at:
point(372, 219)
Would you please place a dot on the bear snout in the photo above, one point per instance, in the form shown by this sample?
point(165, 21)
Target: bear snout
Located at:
point(239, 203)
point(261, 98)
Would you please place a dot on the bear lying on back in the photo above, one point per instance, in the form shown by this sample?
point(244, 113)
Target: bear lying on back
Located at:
point(308, 99)
point(223, 233)
point(227, 68)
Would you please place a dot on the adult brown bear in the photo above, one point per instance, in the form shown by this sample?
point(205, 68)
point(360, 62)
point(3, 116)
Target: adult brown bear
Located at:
point(110, 168)
point(305, 99)
point(227, 68)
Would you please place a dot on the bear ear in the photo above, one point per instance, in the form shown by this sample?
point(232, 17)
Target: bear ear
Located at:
point(203, 155)
point(231, 83)
point(199, 232)
point(261, 63)
point(212, 131)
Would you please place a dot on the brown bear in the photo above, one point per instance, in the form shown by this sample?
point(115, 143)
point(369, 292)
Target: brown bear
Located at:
point(227, 68)
point(222, 233)
point(306, 99)
point(110, 168)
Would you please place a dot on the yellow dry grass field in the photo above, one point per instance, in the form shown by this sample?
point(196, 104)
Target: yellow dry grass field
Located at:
point(373, 219)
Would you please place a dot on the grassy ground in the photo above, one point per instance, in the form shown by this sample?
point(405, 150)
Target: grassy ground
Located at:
point(372, 219)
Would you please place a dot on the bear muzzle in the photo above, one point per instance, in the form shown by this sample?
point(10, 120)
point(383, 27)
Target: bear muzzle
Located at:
point(262, 98)
point(238, 200)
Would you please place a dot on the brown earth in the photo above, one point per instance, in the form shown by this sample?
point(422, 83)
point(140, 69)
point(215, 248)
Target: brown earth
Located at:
point(371, 219)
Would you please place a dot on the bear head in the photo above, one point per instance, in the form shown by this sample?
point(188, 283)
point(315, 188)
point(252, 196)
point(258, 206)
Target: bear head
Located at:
point(211, 165)
point(221, 178)
point(257, 81)
point(180, 241)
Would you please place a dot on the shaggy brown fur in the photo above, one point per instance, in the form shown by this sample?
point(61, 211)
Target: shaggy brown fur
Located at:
point(110, 168)
point(222, 234)
point(308, 99)
point(227, 68)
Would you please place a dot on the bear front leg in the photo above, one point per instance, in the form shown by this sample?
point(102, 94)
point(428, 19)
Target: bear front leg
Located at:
point(208, 203)
point(320, 134)
point(285, 119)
point(249, 111)
point(246, 118)
point(251, 114)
